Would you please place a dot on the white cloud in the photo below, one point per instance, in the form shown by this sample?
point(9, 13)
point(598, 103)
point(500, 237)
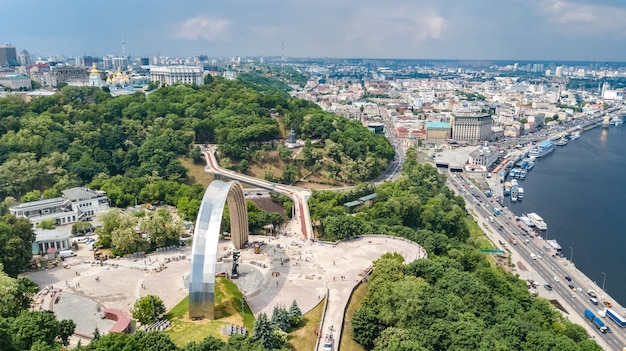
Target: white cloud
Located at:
point(205, 28)
point(381, 27)
point(567, 16)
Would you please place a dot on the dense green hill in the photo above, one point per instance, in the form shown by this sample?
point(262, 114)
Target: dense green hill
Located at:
point(125, 144)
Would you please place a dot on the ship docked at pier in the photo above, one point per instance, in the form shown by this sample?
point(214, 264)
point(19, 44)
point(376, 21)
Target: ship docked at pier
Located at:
point(537, 221)
point(542, 149)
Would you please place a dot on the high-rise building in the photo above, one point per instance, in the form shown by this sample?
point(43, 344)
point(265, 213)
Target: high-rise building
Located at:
point(471, 127)
point(24, 58)
point(8, 55)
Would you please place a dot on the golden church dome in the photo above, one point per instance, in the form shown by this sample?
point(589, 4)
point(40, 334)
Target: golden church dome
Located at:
point(94, 70)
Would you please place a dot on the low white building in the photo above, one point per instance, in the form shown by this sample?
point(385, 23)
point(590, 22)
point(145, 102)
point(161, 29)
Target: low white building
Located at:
point(75, 204)
point(50, 241)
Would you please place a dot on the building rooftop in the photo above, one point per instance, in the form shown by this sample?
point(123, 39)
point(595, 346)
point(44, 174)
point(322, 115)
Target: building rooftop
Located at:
point(352, 203)
point(50, 235)
point(80, 193)
point(39, 204)
point(367, 197)
point(437, 125)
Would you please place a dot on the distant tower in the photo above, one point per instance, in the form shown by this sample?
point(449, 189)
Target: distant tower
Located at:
point(282, 59)
point(123, 45)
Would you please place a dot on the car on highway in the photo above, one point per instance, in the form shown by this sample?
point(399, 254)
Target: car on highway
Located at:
point(572, 287)
point(548, 287)
point(568, 278)
point(556, 279)
point(607, 304)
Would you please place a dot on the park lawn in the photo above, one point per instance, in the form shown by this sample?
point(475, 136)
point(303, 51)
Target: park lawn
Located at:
point(195, 172)
point(356, 299)
point(478, 236)
point(227, 311)
point(303, 338)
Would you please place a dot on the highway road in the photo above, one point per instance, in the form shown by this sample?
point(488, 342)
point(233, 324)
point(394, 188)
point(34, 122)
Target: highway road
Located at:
point(546, 267)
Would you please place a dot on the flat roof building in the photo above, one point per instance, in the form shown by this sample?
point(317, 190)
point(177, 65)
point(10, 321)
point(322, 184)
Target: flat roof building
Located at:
point(76, 204)
point(471, 127)
point(50, 241)
point(483, 157)
point(170, 75)
point(438, 131)
point(8, 55)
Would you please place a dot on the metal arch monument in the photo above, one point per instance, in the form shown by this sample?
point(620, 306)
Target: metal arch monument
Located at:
point(205, 241)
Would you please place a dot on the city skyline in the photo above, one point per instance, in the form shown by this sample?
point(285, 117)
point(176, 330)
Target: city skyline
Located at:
point(578, 30)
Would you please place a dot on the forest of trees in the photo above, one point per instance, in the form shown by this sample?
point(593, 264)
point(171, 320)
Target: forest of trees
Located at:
point(129, 145)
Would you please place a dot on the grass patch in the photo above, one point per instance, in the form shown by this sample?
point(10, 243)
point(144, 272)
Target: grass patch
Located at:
point(227, 311)
point(303, 338)
point(195, 172)
point(347, 342)
point(478, 236)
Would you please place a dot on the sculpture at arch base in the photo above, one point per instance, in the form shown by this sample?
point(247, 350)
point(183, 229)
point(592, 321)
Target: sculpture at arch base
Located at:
point(206, 239)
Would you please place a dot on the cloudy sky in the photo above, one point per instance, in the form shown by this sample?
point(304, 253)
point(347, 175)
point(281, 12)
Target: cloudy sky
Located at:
point(441, 29)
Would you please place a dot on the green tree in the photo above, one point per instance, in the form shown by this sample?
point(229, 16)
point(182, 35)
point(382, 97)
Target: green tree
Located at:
point(30, 327)
point(32, 195)
point(284, 153)
point(262, 332)
point(66, 329)
point(148, 309)
point(280, 318)
point(209, 343)
point(22, 297)
point(47, 224)
point(290, 174)
point(16, 238)
point(155, 341)
point(196, 155)
point(81, 227)
point(243, 166)
point(295, 314)
point(365, 326)
point(161, 228)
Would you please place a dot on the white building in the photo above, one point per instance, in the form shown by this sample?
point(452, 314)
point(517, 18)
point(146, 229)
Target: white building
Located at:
point(484, 157)
point(76, 204)
point(170, 75)
point(50, 241)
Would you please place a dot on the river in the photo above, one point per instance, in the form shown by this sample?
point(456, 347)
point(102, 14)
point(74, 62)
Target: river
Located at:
point(579, 192)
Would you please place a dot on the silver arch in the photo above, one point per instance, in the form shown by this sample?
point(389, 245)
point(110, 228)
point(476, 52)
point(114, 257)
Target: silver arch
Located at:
point(206, 238)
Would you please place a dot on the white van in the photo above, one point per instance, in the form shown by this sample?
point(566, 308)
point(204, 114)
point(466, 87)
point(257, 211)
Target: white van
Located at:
point(593, 301)
point(67, 253)
point(533, 256)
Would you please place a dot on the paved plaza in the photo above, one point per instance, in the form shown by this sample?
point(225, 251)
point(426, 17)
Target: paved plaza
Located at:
point(286, 269)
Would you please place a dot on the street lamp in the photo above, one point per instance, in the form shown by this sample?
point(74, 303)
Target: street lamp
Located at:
point(243, 304)
point(603, 281)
